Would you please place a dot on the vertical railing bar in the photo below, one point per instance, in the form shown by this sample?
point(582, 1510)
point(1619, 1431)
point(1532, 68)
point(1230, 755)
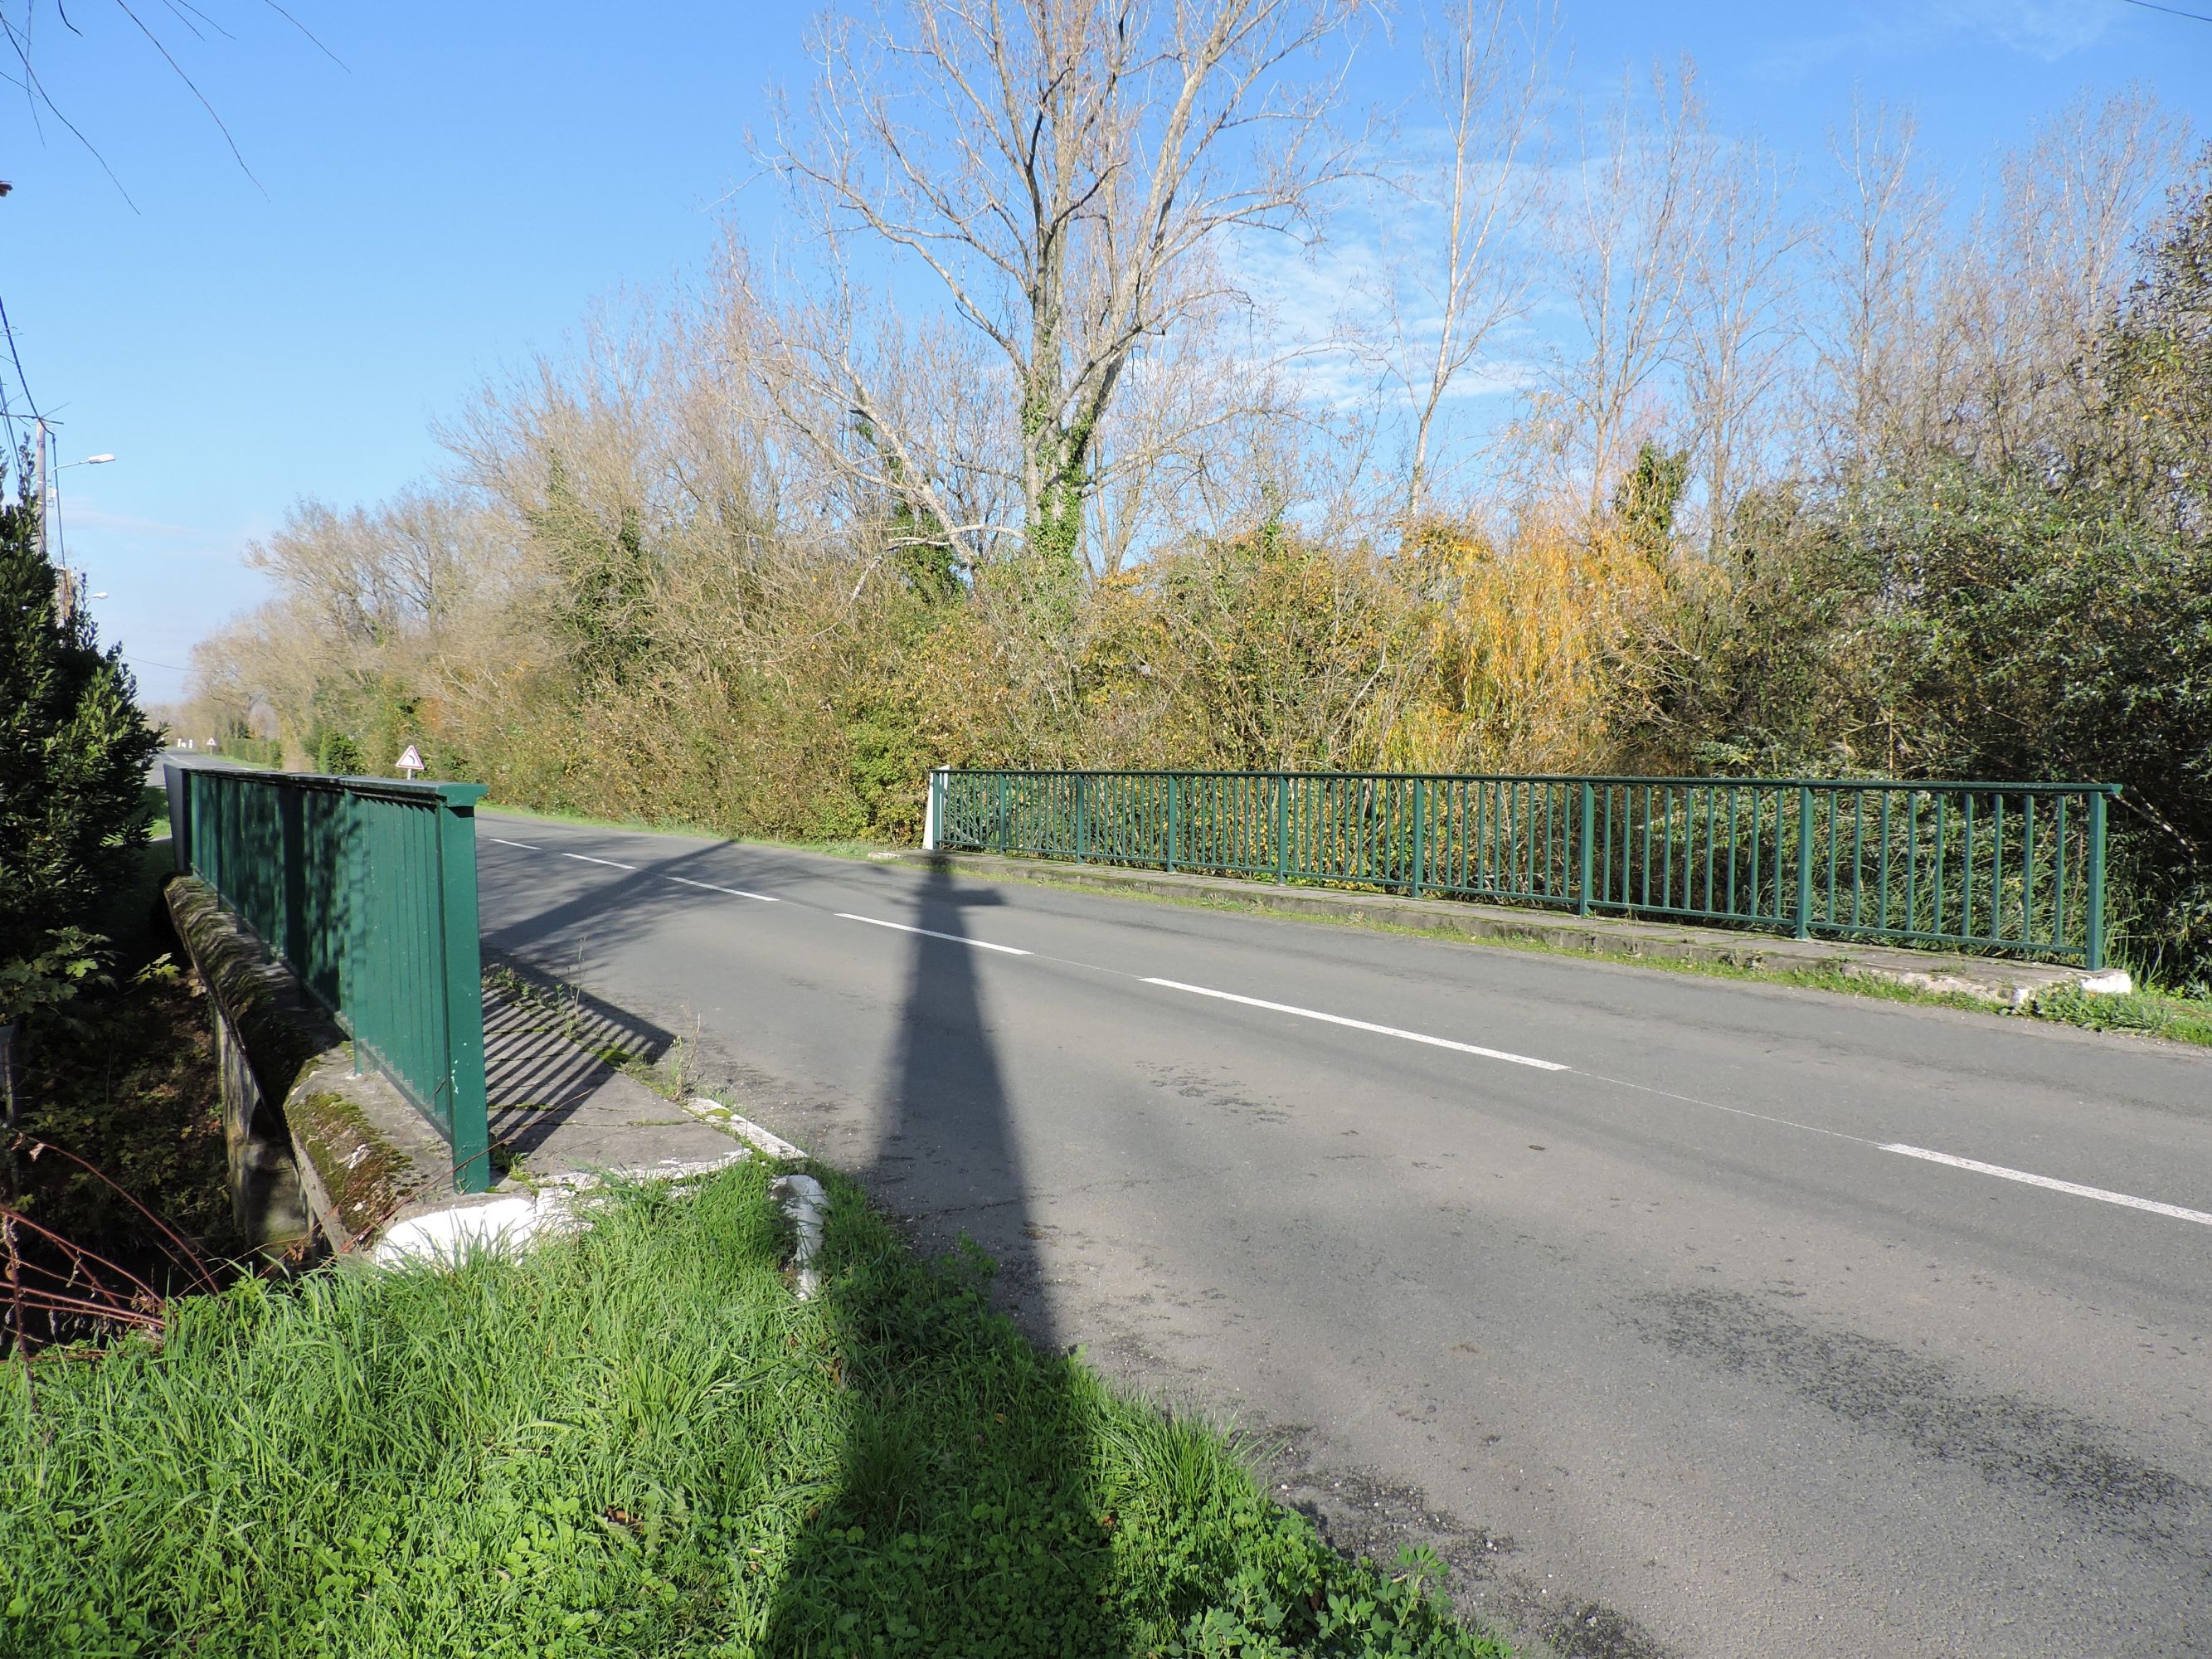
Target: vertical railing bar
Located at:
point(1281, 869)
point(1607, 864)
point(1421, 831)
point(1887, 797)
point(1942, 813)
point(1805, 860)
point(2094, 936)
point(1966, 877)
point(1997, 865)
point(1583, 860)
point(2058, 928)
point(1643, 874)
point(1757, 833)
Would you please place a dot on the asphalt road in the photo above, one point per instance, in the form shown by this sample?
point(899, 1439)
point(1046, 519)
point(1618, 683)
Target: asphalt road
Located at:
point(1678, 1338)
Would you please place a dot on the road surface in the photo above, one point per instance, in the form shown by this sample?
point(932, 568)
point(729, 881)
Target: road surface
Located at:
point(1699, 1317)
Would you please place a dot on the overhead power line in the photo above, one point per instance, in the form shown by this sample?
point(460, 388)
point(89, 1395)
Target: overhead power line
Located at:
point(2170, 11)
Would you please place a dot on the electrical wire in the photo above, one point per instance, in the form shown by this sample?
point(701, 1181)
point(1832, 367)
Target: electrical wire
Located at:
point(23, 381)
point(2170, 11)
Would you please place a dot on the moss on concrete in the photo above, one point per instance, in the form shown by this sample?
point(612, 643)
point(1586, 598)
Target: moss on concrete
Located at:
point(360, 1153)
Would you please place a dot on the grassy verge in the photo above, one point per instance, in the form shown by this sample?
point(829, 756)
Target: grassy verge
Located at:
point(637, 1441)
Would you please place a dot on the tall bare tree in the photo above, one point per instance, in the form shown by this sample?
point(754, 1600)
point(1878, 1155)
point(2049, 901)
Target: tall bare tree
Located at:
point(1738, 332)
point(1449, 297)
point(1055, 165)
point(1883, 355)
point(2073, 201)
point(1622, 233)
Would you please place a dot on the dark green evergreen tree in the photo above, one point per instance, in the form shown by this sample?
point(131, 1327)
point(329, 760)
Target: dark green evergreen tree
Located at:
point(74, 750)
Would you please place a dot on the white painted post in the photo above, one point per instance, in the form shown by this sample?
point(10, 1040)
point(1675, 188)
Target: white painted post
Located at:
point(929, 810)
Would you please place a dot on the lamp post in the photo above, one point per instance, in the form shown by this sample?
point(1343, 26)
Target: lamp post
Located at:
point(64, 582)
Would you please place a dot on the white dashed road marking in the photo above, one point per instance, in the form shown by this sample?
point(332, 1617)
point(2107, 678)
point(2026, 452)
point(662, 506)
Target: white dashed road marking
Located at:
point(2102, 1194)
point(523, 845)
point(734, 892)
point(1366, 1025)
point(931, 933)
point(585, 858)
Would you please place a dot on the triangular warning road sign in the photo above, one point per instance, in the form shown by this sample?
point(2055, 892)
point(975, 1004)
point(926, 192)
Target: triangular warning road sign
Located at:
point(412, 760)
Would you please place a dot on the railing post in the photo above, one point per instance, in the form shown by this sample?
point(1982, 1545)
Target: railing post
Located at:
point(933, 808)
point(177, 782)
point(1001, 781)
point(1804, 861)
point(2096, 940)
point(463, 987)
point(1171, 823)
point(1421, 831)
point(1588, 841)
point(1082, 816)
point(1282, 827)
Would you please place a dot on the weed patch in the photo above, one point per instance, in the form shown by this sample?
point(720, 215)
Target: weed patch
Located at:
point(637, 1441)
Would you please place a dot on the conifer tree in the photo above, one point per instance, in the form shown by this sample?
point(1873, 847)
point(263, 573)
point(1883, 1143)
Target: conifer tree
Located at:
point(74, 749)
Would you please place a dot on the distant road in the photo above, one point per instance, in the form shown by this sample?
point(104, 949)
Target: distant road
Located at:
point(1725, 1319)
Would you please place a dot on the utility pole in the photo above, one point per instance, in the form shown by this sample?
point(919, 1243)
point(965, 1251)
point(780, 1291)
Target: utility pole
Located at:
point(64, 585)
point(39, 478)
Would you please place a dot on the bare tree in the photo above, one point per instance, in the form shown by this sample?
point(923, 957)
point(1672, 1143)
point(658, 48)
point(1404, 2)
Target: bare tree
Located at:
point(1881, 352)
point(1055, 165)
point(1622, 233)
point(1446, 299)
point(896, 418)
point(1738, 332)
point(2075, 199)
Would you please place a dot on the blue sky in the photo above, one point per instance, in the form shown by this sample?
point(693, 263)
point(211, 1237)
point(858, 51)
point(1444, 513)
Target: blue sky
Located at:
point(459, 187)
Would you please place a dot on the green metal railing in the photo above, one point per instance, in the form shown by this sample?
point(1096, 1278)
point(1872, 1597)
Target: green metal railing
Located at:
point(367, 889)
point(2014, 867)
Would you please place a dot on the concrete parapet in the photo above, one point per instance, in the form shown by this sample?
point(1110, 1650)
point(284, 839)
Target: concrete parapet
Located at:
point(326, 1161)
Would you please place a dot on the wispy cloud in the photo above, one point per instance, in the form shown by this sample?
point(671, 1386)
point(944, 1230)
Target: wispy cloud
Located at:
point(93, 518)
point(2049, 29)
point(2044, 29)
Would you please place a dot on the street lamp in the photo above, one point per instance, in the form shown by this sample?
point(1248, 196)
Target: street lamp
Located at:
point(89, 460)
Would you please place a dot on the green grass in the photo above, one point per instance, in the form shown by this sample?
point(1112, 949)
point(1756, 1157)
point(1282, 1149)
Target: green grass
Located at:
point(637, 1441)
point(2146, 1013)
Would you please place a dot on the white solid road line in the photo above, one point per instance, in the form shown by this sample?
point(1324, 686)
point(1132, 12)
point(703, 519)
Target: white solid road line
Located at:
point(931, 933)
point(585, 858)
point(734, 892)
point(2100, 1193)
point(523, 845)
point(1366, 1025)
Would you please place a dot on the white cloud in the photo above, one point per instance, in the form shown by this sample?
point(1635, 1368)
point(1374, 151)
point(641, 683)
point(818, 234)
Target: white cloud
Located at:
point(2047, 29)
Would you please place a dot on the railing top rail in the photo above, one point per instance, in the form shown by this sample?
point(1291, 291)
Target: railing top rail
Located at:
point(452, 794)
point(1923, 785)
